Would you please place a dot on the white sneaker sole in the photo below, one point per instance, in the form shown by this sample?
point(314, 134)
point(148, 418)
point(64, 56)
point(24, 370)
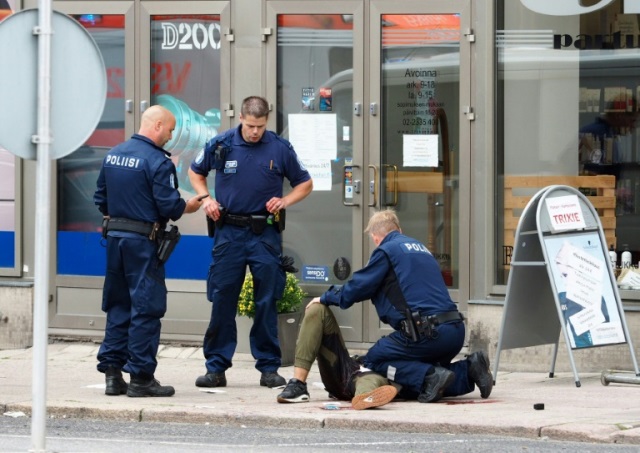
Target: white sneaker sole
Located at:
point(299, 399)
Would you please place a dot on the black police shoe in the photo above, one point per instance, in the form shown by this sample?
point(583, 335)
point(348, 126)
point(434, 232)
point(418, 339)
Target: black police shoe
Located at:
point(114, 382)
point(212, 380)
point(271, 379)
point(480, 373)
point(294, 392)
point(434, 384)
point(148, 387)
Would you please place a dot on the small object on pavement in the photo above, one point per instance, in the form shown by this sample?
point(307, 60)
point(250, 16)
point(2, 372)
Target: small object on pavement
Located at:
point(332, 406)
point(539, 406)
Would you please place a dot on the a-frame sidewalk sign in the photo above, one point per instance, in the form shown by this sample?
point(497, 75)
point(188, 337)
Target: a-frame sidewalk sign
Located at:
point(561, 279)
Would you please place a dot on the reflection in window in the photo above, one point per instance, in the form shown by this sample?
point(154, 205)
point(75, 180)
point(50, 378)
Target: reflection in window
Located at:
point(7, 190)
point(567, 106)
point(7, 208)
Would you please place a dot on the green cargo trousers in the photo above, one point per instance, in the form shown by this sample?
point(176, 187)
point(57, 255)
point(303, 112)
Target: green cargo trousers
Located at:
point(320, 339)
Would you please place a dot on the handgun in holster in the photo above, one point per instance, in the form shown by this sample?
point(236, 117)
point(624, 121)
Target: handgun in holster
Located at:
point(168, 241)
point(213, 224)
point(279, 218)
point(410, 326)
point(105, 227)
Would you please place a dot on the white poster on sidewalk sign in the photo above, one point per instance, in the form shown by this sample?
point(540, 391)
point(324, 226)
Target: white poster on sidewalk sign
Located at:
point(584, 290)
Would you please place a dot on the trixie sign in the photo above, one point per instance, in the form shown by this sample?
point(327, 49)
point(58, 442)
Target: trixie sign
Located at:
point(575, 7)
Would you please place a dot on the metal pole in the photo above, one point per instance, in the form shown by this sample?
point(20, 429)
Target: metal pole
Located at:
point(42, 230)
point(622, 377)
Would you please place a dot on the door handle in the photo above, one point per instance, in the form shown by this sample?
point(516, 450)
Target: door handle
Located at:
point(394, 185)
point(348, 189)
point(373, 186)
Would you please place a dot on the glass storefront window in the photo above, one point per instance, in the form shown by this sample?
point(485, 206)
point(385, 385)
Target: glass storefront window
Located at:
point(79, 221)
point(7, 191)
point(185, 63)
point(567, 106)
point(7, 208)
point(185, 78)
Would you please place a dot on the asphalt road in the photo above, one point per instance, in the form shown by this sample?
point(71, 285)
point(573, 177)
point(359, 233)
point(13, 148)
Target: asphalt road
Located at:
point(86, 435)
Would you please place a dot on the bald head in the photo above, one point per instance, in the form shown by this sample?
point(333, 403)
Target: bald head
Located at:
point(157, 123)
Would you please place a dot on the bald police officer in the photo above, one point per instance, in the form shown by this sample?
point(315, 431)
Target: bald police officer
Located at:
point(250, 165)
point(137, 191)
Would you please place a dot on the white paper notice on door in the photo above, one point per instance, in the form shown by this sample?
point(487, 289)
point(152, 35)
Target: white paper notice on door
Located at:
point(314, 136)
point(420, 150)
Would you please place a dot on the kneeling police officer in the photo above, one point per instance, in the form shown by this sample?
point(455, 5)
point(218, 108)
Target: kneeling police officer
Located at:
point(404, 282)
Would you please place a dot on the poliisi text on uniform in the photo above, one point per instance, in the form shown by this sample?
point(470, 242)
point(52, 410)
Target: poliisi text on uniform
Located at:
point(417, 247)
point(122, 161)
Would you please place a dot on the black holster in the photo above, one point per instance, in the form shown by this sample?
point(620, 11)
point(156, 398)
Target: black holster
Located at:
point(167, 243)
point(280, 218)
point(258, 223)
point(105, 227)
point(213, 224)
point(211, 227)
point(409, 327)
point(416, 327)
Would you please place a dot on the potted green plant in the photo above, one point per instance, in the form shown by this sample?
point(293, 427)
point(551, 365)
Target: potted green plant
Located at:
point(289, 313)
point(291, 299)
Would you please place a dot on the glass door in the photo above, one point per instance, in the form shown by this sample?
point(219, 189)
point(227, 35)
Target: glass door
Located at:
point(317, 49)
point(419, 117)
point(185, 67)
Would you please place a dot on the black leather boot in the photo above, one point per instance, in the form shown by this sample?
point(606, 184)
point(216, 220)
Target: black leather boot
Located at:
point(148, 387)
point(115, 383)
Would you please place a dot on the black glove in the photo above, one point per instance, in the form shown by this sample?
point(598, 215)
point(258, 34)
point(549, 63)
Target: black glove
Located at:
point(286, 262)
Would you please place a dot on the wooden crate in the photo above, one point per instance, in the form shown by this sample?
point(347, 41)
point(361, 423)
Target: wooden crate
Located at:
point(518, 190)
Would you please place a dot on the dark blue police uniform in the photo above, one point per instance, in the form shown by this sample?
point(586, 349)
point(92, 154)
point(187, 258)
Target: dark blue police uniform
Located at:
point(137, 182)
point(247, 176)
point(402, 267)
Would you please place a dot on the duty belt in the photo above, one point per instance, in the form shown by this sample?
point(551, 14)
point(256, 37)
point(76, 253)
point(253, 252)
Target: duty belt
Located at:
point(134, 226)
point(237, 220)
point(441, 318)
point(422, 325)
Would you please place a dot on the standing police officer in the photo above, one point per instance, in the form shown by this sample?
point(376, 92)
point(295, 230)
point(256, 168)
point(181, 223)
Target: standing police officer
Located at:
point(137, 192)
point(404, 282)
point(248, 209)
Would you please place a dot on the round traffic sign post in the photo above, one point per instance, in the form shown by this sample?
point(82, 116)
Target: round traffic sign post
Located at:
point(78, 84)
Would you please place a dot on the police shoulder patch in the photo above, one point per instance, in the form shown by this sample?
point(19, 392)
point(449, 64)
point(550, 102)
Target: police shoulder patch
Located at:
point(200, 157)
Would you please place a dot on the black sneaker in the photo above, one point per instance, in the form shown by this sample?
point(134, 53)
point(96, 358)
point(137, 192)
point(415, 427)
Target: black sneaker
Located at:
point(150, 387)
point(294, 392)
point(271, 379)
point(212, 380)
point(480, 373)
point(434, 384)
point(114, 382)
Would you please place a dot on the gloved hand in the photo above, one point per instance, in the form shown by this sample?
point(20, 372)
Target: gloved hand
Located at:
point(286, 262)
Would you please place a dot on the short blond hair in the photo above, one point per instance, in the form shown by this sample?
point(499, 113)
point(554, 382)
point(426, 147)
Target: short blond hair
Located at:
point(383, 222)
